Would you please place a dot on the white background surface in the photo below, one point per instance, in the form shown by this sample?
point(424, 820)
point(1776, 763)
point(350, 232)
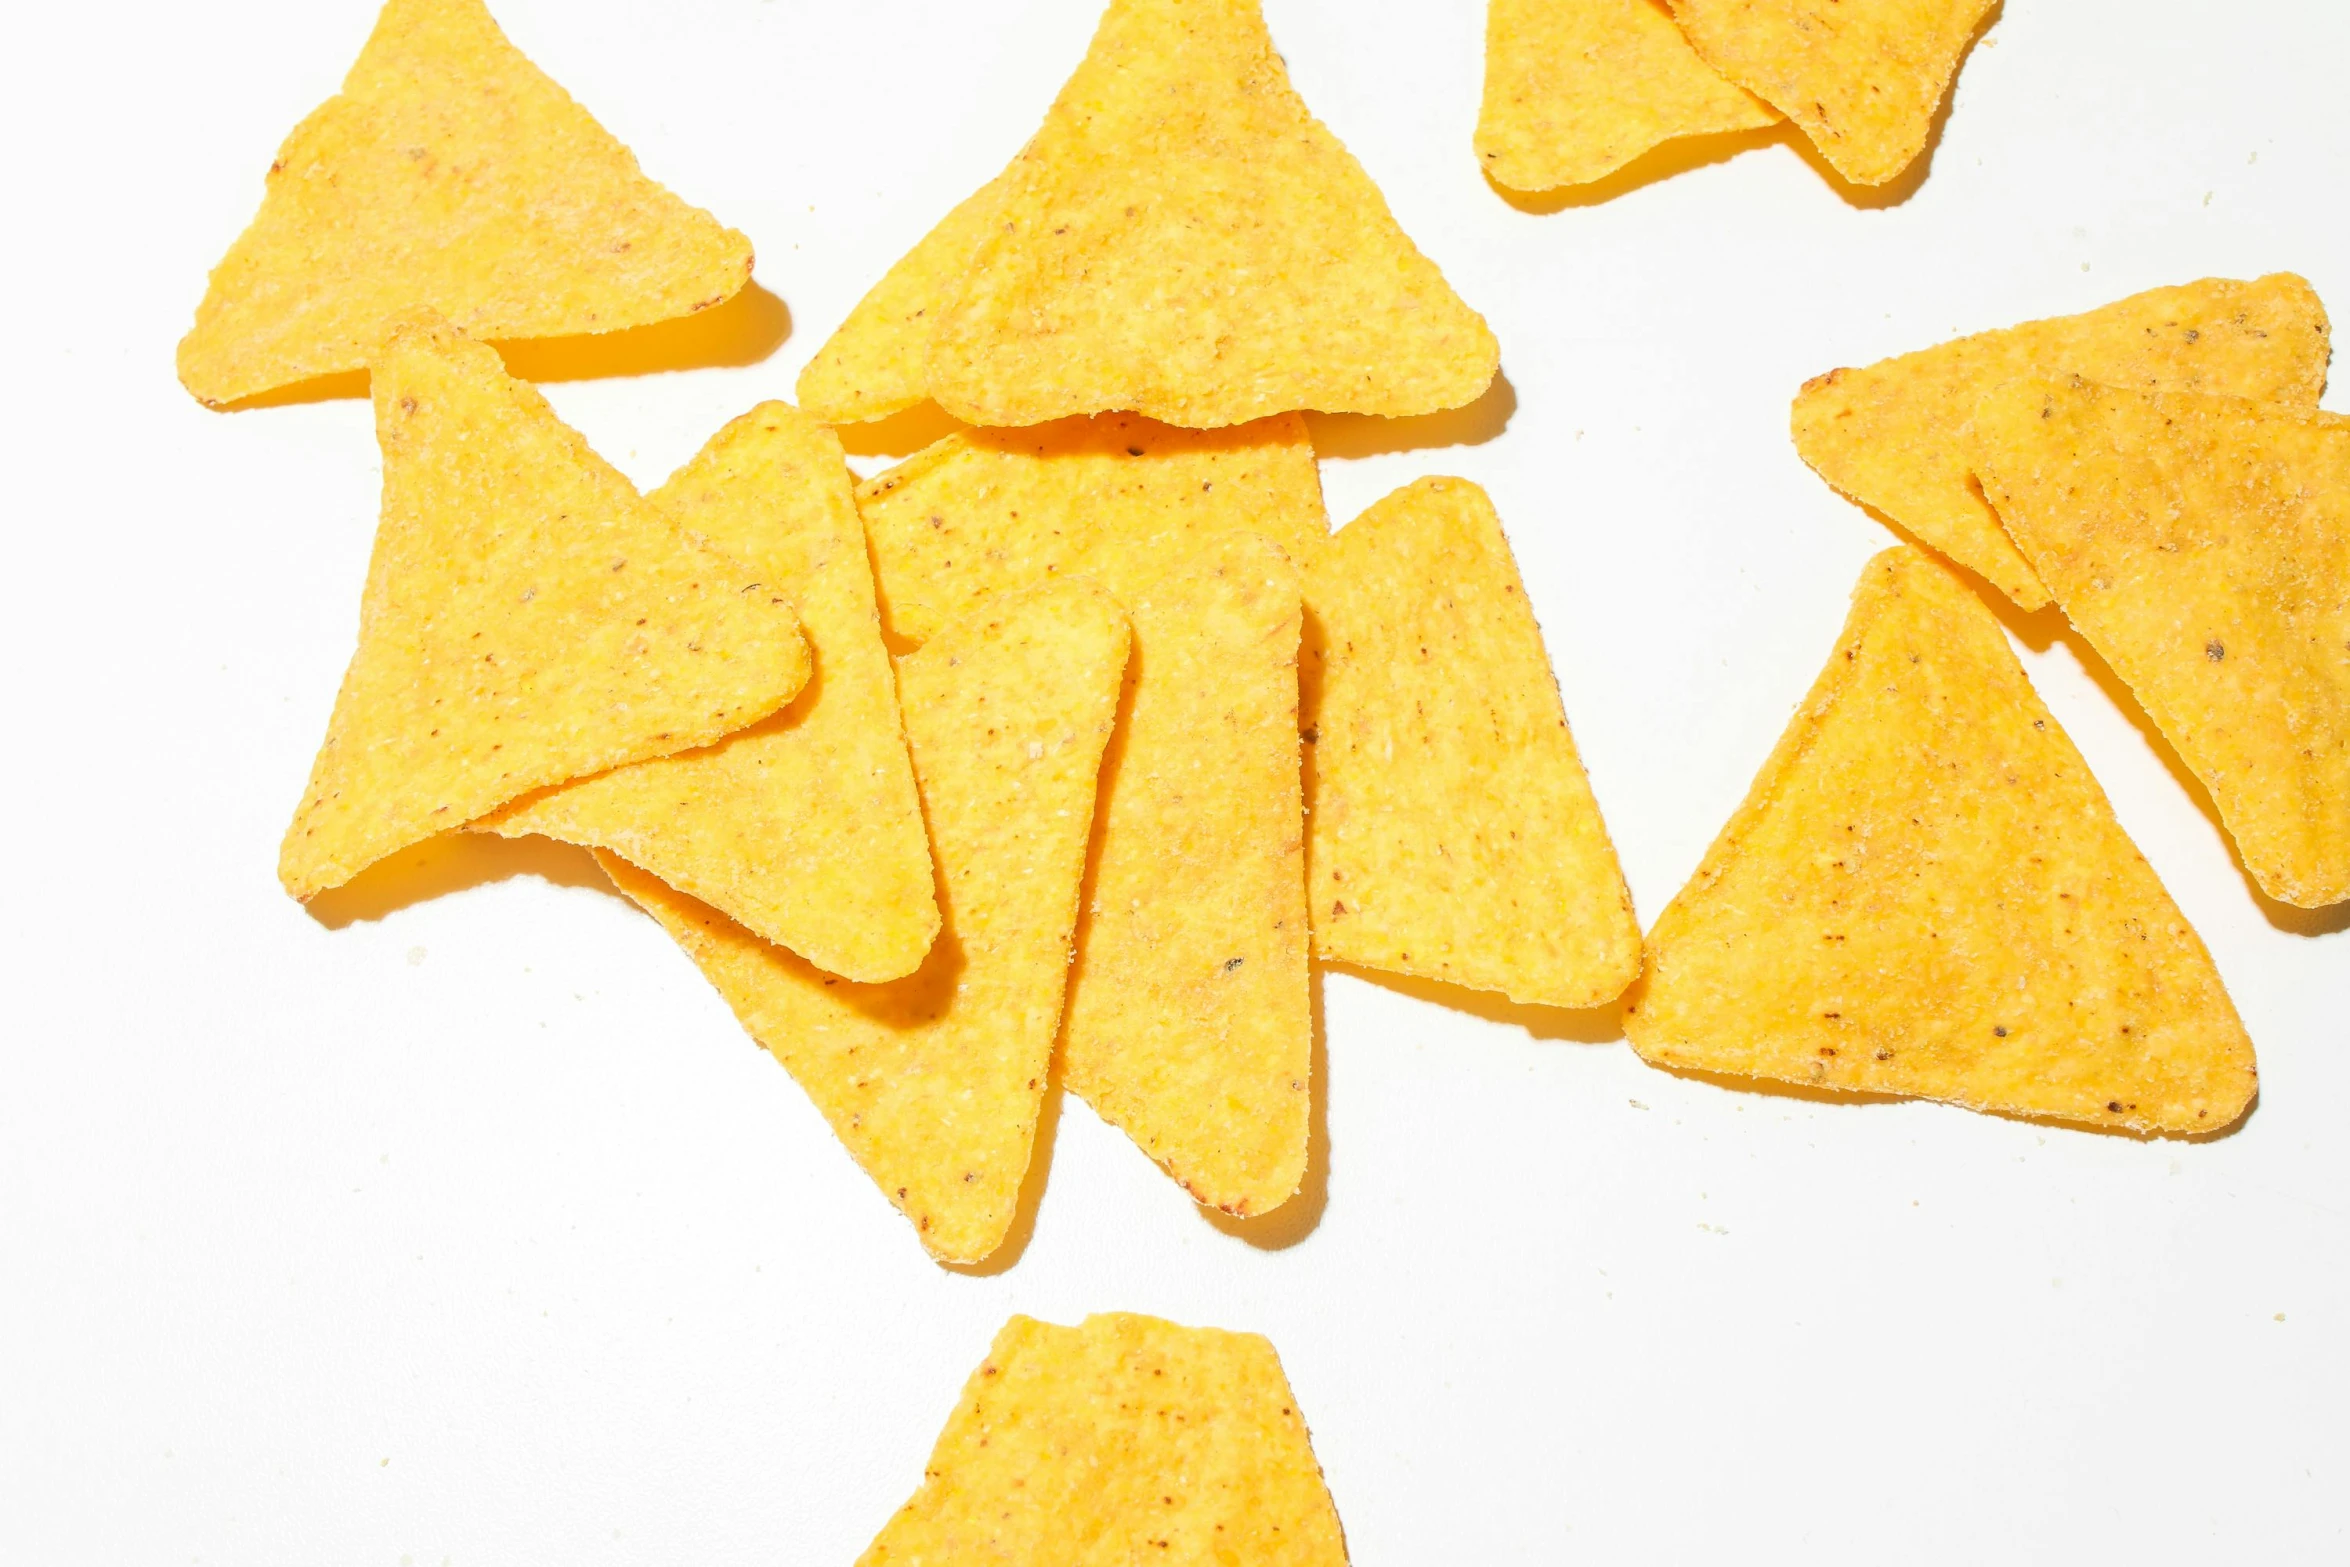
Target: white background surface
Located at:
point(474, 1231)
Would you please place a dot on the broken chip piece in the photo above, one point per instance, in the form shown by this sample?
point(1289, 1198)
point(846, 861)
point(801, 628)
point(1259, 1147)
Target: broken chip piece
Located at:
point(1927, 894)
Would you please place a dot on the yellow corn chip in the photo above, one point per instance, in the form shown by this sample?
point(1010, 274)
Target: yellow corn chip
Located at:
point(1926, 893)
point(1183, 239)
point(449, 172)
point(1190, 1021)
point(528, 618)
point(1123, 1440)
point(1576, 89)
point(2202, 544)
point(1454, 835)
point(984, 512)
point(934, 1081)
point(1887, 435)
point(805, 827)
point(1861, 78)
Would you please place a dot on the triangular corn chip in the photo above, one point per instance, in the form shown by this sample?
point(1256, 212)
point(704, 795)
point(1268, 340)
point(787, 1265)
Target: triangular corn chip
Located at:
point(1887, 435)
point(450, 173)
point(1861, 78)
point(1190, 1020)
point(984, 512)
point(1125, 1439)
point(1454, 835)
point(1576, 89)
point(804, 828)
point(934, 1081)
point(2202, 545)
point(1926, 893)
point(1182, 239)
point(528, 619)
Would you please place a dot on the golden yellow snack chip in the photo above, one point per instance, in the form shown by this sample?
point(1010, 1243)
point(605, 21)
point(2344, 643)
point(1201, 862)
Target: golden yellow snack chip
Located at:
point(1183, 239)
point(528, 618)
point(450, 173)
point(984, 512)
point(1454, 835)
point(1888, 435)
point(1576, 89)
point(1926, 893)
point(934, 1081)
point(804, 828)
point(1190, 1019)
point(2202, 545)
point(1861, 78)
point(1124, 1439)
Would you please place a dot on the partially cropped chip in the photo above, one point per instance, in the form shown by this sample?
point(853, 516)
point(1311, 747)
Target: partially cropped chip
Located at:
point(2202, 545)
point(1454, 833)
point(1926, 893)
point(804, 828)
point(934, 1081)
point(450, 173)
point(1888, 435)
point(1576, 89)
point(528, 619)
point(1122, 1440)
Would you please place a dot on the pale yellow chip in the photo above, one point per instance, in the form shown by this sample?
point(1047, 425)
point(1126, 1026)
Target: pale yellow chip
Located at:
point(804, 828)
point(1122, 1440)
point(1861, 78)
point(528, 619)
point(1190, 1021)
point(934, 1081)
point(1888, 435)
point(984, 512)
point(2202, 545)
point(1182, 239)
point(450, 173)
point(1576, 89)
point(1926, 893)
point(1454, 835)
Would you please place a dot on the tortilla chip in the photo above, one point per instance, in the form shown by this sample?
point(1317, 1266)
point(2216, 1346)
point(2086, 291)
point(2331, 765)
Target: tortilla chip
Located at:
point(985, 512)
point(1886, 435)
point(528, 619)
point(1125, 1439)
point(934, 1081)
point(1183, 239)
point(449, 172)
point(1863, 81)
point(1190, 1024)
point(805, 828)
point(1926, 893)
point(1454, 835)
point(2202, 545)
point(1576, 89)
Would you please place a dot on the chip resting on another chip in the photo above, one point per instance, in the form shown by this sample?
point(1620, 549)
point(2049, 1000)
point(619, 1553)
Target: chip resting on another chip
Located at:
point(1125, 1439)
point(449, 172)
point(1888, 435)
point(528, 619)
point(2202, 545)
point(1926, 893)
point(804, 828)
point(1454, 835)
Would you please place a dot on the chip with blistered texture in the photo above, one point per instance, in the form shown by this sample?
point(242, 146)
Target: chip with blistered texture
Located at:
point(1927, 894)
point(1123, 1439)
point(2202, 545)
point(1889, 435)
point(1454, 834)
point(804, 828)
point(934, 1081)
point(528, 619)
point(451, 173)
point(1576, 89)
